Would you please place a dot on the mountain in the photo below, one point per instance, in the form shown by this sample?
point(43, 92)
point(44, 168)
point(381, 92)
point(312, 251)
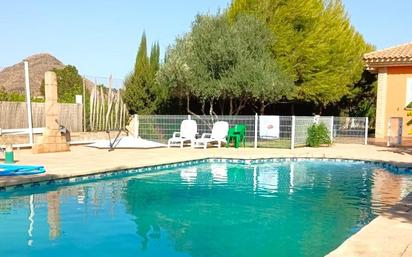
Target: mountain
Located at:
point(12, 77)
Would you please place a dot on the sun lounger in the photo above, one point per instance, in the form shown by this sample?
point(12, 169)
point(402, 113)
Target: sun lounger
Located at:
point(216, 138)
point(187, 134)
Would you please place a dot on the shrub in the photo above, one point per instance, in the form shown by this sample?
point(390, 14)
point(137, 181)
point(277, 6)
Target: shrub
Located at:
point(409, 114)
point(318, 134)
point(6, 96)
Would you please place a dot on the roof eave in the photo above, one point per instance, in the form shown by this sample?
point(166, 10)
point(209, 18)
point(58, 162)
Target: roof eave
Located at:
point(373, 64)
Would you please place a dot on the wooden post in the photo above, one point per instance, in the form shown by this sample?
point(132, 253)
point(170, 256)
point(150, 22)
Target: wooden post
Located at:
point(124, 115)
point(109, 105)
point(97, 121)
point(102, 114)
point(116, 111)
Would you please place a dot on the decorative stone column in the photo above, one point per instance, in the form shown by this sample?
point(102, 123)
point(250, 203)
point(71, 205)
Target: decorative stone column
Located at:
point(52, 140)
point(53, 214)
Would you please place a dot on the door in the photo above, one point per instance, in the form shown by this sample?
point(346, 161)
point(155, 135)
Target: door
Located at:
point(394, 131)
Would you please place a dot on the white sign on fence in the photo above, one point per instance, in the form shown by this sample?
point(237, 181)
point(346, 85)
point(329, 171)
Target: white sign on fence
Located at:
point(79, 99)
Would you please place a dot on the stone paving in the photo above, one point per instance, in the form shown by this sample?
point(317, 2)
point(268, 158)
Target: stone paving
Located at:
point(388, 235)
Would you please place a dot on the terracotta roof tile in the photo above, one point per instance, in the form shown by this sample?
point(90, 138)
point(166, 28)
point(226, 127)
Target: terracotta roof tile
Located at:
point(401, 54)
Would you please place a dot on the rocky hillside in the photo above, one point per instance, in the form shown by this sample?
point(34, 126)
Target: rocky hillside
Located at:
point(12, 77)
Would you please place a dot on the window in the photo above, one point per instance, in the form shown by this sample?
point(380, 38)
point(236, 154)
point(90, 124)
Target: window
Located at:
point(408, 91)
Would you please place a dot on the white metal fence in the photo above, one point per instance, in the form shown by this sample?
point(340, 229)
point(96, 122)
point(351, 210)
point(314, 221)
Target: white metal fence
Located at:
point(261, 131)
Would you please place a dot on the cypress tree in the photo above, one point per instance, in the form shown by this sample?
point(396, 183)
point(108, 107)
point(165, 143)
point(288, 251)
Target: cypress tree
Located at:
point(142, 95)
point(142, 61)
point(155, 59)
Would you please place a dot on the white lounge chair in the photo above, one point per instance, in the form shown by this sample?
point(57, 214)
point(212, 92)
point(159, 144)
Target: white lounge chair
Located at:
point(187, 134)
point(216, 138)
point(219, 172)
point(189, 175)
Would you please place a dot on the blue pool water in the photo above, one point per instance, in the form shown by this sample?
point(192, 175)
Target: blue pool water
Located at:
point(210, 209)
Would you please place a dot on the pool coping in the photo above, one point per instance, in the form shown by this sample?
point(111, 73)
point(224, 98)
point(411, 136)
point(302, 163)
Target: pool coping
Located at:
point(122, 171)
point(388, 235)
point(116, 171)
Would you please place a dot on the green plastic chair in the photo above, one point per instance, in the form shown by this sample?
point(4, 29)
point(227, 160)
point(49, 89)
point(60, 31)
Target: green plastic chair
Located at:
point(231, 135)
point(237, 134)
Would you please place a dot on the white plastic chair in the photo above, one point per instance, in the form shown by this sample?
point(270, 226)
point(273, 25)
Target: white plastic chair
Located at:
point(189, 175)
point(187, 134)
point(217, 137)
point(219, 172)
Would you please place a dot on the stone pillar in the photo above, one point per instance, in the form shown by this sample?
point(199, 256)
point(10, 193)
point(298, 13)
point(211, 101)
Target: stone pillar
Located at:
point(52, 140)
point(53, 214)
point(381, 119)
point(52, 108)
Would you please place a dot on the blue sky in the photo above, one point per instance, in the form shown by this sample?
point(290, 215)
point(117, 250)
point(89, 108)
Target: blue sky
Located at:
point(101, 37)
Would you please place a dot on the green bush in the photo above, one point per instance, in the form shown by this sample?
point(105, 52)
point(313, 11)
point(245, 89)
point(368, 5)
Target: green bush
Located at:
point(318, 134)
point(16, 97)
point(11, 96)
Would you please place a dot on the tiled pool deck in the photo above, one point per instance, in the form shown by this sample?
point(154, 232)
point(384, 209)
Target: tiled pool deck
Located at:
point(388, 235)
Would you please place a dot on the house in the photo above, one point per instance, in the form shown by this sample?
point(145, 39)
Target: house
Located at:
point(394, 68)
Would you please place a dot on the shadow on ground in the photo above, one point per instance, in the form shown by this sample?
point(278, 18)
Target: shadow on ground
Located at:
point(398, 150)
point(401, 211)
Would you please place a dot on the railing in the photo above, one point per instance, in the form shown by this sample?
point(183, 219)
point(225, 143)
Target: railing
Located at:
point(261, 131)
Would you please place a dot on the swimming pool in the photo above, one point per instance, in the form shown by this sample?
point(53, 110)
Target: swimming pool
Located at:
point(304, 208)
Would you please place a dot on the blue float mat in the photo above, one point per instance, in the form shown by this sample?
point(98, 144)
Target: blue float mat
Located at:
point(16, 170)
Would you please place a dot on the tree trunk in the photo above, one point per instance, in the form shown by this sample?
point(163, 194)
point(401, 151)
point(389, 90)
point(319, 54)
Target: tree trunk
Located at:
point(262, 108)
point(240, 106)
point(211, 111)
point(320, 109)
point(230, 106)
point(222, 104)
point(203, 107)
point(188, 103)
point(188, 107)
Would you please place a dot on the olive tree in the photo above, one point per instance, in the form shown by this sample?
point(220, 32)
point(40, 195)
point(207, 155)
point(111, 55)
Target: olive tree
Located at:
point(224, 66)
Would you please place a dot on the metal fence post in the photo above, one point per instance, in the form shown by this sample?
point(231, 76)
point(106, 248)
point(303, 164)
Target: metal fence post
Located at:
point(28, 101)
point(292, 140)
point(84, 104)
point(256, 130)
point(366, 130)
point(331, 129)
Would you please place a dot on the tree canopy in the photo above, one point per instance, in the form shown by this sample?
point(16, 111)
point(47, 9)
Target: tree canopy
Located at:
point(361, 100)
point(224, 66)
point(8, 96)
point(315, 44)
point(69, 82)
